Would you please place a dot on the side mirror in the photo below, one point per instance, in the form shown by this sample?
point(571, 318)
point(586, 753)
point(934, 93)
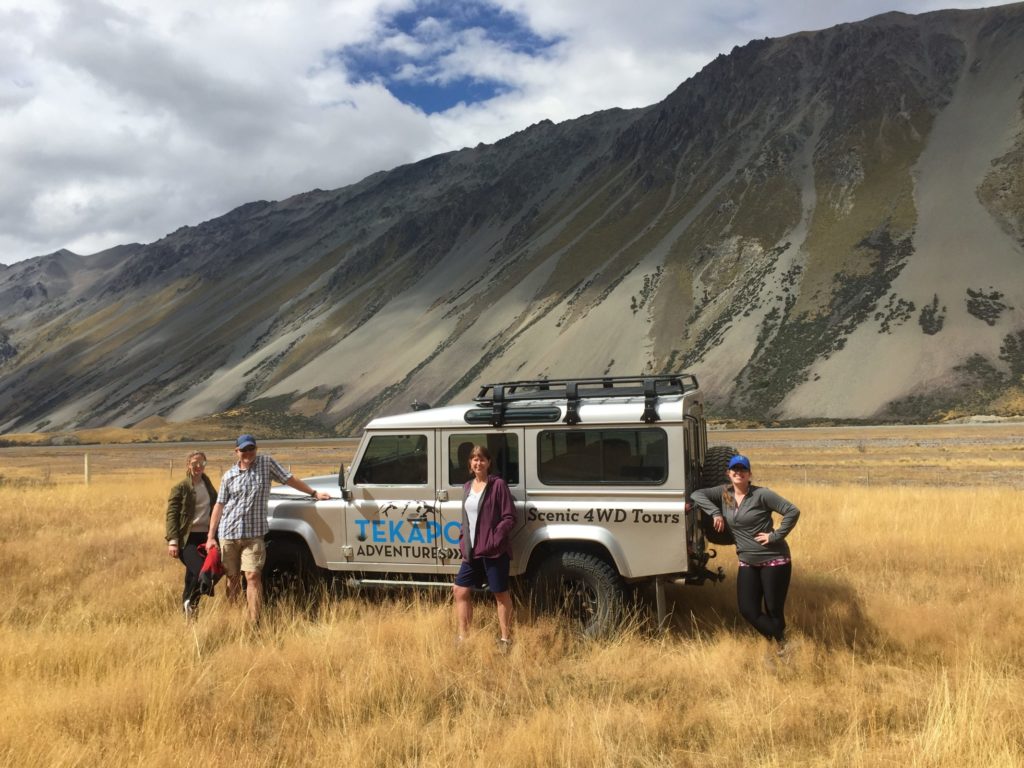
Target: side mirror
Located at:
point(346, 494)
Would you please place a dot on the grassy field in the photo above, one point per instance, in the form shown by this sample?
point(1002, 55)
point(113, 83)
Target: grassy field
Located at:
point(905, 610)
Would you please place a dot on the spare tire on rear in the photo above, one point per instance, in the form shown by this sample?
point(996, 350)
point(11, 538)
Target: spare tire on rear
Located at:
point(712, 473)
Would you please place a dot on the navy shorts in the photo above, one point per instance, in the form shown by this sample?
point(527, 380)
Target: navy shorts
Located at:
point(492, 571)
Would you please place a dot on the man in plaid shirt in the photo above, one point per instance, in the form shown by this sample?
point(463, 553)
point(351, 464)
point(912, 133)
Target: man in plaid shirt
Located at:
point(240, 514)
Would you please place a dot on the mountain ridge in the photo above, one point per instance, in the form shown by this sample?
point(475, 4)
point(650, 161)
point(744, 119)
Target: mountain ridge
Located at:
point(790, 224)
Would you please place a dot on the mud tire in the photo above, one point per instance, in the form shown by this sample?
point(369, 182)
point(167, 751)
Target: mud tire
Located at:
point(584, 589)
point(289, 572)
point(712, 473)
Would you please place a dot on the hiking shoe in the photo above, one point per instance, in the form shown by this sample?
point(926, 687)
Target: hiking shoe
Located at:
point(783, 651)
point(504, 644)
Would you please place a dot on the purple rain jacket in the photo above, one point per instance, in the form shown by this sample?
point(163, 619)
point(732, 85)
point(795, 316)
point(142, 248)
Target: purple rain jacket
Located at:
point(494, 524)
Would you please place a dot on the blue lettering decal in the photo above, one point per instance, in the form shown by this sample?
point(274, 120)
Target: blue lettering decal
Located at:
point(362, 529)
point(416, 535)
point(378, 532)
point(447, 532)
point(395, 530)
point(433, 531)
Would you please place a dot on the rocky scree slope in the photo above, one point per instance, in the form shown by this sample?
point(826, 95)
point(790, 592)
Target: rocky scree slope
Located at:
point(829, 224)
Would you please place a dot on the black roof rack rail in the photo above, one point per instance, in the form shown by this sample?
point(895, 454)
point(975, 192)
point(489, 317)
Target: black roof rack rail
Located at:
point(499, 395)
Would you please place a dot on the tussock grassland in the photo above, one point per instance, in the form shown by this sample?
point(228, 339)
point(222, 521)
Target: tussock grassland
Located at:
point(905, 611)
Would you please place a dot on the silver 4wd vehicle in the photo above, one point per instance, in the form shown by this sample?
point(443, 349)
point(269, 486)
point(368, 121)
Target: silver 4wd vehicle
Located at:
point(601, 471)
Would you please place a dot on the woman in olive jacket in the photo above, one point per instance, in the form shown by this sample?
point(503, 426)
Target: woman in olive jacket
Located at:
point(188, 509)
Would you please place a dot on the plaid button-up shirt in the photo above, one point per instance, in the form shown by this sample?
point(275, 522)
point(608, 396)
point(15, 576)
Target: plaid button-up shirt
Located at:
point(245, 495)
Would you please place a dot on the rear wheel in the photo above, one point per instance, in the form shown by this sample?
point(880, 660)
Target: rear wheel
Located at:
point(583, 588)
point(716, 462)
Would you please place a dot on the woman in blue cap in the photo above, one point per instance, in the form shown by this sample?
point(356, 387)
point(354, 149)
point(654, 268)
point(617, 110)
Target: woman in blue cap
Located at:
point(765, 566)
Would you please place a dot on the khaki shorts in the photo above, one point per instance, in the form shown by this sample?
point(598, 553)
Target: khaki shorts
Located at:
point(246, 555)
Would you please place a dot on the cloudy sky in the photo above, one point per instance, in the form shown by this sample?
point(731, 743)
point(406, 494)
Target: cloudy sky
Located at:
point(122, 120)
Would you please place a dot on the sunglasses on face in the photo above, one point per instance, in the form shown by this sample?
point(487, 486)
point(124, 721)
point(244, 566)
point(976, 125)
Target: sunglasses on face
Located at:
point(198, 464)
point(739, 469)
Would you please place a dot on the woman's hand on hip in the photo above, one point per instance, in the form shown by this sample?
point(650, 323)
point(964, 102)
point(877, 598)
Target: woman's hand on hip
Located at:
point(763, 538)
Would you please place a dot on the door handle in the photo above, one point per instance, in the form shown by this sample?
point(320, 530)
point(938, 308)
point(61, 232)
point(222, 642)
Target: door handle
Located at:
point(442, 495)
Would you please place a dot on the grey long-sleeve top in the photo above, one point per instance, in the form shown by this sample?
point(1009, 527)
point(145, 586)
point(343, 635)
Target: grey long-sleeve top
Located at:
point(753, 516)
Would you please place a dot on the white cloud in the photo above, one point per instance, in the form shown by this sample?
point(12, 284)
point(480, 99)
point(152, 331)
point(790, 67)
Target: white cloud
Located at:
point(121, 120)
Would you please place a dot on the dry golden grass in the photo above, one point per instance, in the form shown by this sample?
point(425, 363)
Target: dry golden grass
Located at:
point(905, 610)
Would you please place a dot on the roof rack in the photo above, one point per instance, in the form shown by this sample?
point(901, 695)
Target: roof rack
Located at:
point(499, 396)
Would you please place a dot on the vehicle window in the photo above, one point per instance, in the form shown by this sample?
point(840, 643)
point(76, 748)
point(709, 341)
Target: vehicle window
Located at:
point(599, 456)
point(394, 460)
point(503, 447)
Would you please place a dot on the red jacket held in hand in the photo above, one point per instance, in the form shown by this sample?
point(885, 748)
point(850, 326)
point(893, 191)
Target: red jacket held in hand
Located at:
point(211, 571)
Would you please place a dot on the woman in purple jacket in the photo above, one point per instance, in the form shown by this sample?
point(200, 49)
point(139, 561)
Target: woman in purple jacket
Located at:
point(488, 517)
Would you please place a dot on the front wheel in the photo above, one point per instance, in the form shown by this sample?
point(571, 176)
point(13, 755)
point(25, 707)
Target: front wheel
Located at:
point(584, 588)
point(290, 572)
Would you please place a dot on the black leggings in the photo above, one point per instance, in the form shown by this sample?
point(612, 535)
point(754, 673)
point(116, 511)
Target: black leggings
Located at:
point(193, 561)
point(761, 593)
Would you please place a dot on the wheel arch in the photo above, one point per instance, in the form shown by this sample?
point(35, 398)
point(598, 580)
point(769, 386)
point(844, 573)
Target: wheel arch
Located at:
point(552, 539)
point(301, 533)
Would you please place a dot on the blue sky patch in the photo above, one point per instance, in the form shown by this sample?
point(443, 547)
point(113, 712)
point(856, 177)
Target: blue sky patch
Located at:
point(419, 55)
point(433, 98)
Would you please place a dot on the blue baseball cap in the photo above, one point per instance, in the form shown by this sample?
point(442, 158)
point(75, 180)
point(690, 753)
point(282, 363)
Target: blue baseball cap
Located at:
point(244, 441)
point(739, 461)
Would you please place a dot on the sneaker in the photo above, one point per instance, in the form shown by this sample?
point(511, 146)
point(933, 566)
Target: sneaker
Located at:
point(783, 651)
point(190, 611)
point(504, 644)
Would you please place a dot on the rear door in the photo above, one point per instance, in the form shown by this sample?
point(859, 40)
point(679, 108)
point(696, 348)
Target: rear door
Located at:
point(508, 459)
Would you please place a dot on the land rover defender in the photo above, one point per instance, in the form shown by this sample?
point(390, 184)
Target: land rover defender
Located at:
point(600, 469)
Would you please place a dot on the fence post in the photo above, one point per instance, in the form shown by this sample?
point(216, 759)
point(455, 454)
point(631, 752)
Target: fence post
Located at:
point(87, 469)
